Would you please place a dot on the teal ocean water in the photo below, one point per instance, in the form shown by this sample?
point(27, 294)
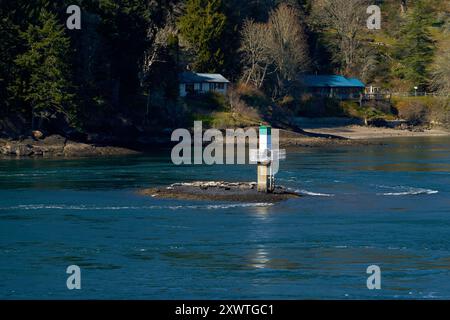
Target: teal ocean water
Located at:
point(385, 205)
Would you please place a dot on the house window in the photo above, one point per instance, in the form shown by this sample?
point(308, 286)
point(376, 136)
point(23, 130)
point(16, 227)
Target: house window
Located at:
point(217, 86)
point(190, 88)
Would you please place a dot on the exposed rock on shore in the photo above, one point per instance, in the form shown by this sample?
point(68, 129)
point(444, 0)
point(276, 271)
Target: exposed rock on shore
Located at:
point(56, 145)
point(220, 191)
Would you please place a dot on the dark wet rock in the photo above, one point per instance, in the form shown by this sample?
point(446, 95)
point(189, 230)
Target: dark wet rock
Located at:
point(16, 148)
point(78, 149)
point(220, 191)
point(55, 146)
point(37, 134)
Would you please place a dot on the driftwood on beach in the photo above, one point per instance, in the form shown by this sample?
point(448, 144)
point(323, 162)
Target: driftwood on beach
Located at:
point(220, 191)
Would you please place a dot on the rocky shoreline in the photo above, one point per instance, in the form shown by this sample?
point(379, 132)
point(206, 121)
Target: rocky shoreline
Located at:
point(56, 146)
point(59, 146)
point(220, 191)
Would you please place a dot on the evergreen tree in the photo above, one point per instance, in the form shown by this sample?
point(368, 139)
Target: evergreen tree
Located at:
point(415, 49)
point(42, 80)
point(123, 32)
point(203, 26)
point(8, 48)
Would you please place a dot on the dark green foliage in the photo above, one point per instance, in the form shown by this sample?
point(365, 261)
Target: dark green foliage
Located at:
point(103, 58)
point(43, 74)
point(203, 25)
point(9, 44)
point(95, 75)
point(415, 49)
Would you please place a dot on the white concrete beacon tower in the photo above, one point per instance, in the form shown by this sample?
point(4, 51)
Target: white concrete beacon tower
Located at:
point(267, 158)
point(266, 180)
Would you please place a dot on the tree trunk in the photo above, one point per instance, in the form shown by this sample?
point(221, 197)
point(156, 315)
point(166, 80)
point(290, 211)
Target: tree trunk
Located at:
point(404, 6)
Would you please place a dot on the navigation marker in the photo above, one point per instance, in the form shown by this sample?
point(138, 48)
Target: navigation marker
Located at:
point(264, 156)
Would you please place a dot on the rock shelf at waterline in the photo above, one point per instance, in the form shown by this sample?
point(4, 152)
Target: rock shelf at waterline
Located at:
point(220, 191)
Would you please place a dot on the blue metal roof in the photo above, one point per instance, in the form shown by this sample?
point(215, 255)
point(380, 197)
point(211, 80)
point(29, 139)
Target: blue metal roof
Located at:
point(192, 77)
point(330, 81)
point(356, 82)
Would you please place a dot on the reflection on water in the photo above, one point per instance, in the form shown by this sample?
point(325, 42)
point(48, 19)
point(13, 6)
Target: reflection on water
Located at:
point(262, 212)
point(260, 258)
point(387, 205)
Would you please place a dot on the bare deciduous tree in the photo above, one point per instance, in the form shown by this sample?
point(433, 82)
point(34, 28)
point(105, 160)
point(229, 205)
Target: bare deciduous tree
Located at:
point(160, 41)
point(441, 69)
point(346, 20)
point(255, 57)
point(287, 43)
point(277, 47)
point(159, 36)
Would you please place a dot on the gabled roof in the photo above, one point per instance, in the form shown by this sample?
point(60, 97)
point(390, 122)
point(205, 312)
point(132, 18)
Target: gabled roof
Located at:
point(333, 81)
point(192, 77)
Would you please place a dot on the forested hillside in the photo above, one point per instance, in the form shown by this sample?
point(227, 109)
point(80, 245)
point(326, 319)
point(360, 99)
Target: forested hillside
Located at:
point(119, 72)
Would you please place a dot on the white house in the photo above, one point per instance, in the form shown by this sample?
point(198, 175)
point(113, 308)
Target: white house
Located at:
point(198, 83)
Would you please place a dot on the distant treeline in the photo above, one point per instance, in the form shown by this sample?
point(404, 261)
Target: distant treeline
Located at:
point(127, 55)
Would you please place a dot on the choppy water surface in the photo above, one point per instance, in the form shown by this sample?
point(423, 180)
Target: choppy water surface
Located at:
point(385, 205)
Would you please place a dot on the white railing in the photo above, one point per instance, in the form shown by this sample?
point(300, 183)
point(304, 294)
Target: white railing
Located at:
point(258, 155)
point(419, 94)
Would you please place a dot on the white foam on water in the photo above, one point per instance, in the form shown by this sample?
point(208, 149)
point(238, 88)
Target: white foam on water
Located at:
point(417, 192)
point(314, 194)
point(406, 191)
point(240, 205)
point(115, 208)
point(70, 207)
point(34, 174)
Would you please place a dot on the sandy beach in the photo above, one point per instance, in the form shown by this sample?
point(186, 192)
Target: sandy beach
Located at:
point(356, 132)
